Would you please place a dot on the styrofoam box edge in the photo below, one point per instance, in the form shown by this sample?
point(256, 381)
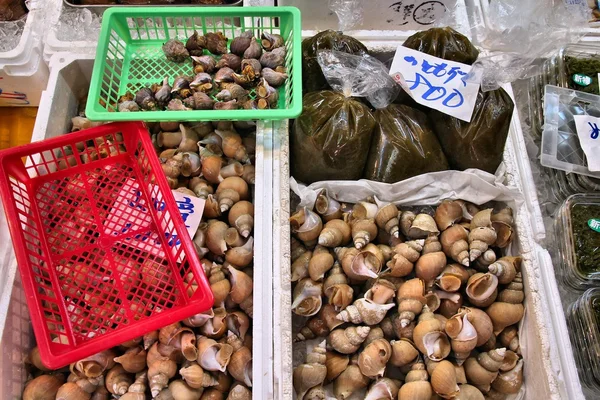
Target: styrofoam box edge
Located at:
point(31, 40)
point(542, 362)
point(69, 78)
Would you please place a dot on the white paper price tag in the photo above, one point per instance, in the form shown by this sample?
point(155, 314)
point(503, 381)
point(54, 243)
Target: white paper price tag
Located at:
point(130, 213)
point(588, 131)
point(435, 82)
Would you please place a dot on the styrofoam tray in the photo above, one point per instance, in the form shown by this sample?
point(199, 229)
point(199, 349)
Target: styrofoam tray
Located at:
point(548, 359)
point(68, 83)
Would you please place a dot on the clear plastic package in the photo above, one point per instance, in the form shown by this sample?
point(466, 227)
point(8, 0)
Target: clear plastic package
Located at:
point(558, 70)
point(578, 241)
point(561, 147)
point(583, 318)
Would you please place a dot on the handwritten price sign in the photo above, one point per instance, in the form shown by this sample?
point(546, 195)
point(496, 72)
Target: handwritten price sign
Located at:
point(588, 130)
point(130, 213)
point(435, 83)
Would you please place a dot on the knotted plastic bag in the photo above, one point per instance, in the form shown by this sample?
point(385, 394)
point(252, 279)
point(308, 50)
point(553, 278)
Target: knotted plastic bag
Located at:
point(331, 138)
point(403, 146)
point(444, 43)
point(479, 143)
point(312, 76)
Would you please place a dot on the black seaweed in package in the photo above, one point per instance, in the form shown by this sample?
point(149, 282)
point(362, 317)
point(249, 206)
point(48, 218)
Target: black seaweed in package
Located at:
point(403, 146)
point(444, 43)
point(479, 143)
point(312, 76)
point(330, 139)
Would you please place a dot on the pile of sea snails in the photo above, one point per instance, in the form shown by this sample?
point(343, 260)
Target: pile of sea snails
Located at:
point(404, 305)
point(245, 78)
point(209, 355)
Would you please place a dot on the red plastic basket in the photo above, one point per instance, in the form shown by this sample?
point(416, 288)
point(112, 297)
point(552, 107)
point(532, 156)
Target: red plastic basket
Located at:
point(91, 281)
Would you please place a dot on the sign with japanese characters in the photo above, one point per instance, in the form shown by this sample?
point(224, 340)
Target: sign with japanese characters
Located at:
point(435, 83)
point(588, 130)
point(130, 214)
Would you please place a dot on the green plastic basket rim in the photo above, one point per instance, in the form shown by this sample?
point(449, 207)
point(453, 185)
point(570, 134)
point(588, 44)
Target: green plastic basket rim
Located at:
point(293, 111)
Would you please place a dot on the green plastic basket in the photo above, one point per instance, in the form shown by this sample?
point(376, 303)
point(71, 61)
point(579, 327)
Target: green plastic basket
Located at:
point(129, 56)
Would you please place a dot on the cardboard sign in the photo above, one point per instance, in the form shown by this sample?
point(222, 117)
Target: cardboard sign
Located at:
point(435, 83)
point(588, 131)
point(130, 213)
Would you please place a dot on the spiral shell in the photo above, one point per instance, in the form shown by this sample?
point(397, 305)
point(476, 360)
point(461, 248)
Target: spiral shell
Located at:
point(423, 226)
point(306, 225)
point(404, 352)
point(429, 266)
point(405, 255)
point(327, 207)
point(509, 382)
point(320, 262)
point(374, 357)
point(482, 289)
point(336, 232)
point(364, 231)
point(307, 297)
point(387, 219)
point(312, 373)
point(506, 269)
point(463, 336)
point(366, 311)
point(410, 300)
point(483, 369)
point(443, 380)
point(455, 245)
point(383, 389)
point(429, 337)
point(416, 385)
point(349, 381)
point(447, 214)
point(347, 341)
point(360, 265)
point(336, 363)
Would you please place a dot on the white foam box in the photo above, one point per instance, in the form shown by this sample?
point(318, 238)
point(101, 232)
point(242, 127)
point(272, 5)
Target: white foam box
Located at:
point(23, 75)
point(68, 84)
point(549, 372)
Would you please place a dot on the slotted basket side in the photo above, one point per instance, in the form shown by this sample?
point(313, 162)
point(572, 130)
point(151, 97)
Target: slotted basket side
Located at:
point(101, 247)
point(129, 56)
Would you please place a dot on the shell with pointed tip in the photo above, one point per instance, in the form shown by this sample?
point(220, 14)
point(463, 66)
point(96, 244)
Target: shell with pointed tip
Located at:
point(348, 382)
point(482, 263)
point(406, 220)
point(320, 262)
point(241, 217)
point(448, 213)
point(336, 232)
point(404, 352)
point(480, 238)
point(315, 327)
point(510, 361)
point(231, 190)
point(364, 231)
point(483, 369)
point(429, 266)
point(360, 265)
point(443, 380)
point(416, 385)
point(405, 255)
point(213, 356)
point(300, 266)
point(312, 373)
point(347, 341)
point(510, 382)
point(94, 365)
point(423, 226)
point(336, 363)
point(365, 311)
point(239, 392)
point(215, 237)
point(432, 244)
point(182, 391)
point(374, 357)
point(506, 269)
point(455, 245)
point(336, 288)
point(219, 284)
point(306, 225)
point(513, 292)
point(410, 300)
point(482, 289)
point(307, 299)
point(509, 338)
point(193, 374)
point(387, 219)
